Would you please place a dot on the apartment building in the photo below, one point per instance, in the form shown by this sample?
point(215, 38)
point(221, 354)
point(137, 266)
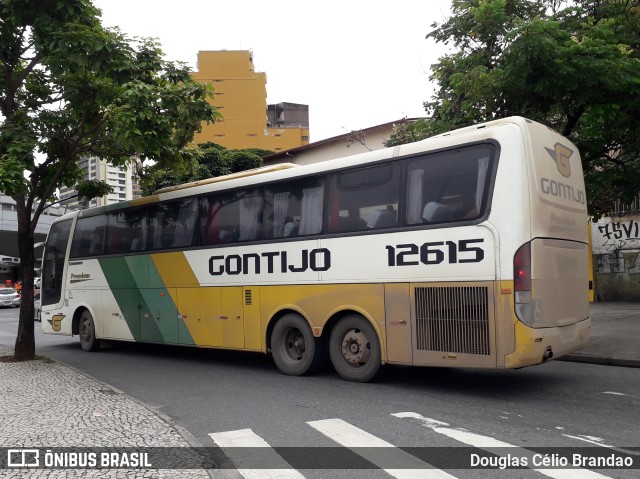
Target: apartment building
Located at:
point(240, 94)
point(118, 177)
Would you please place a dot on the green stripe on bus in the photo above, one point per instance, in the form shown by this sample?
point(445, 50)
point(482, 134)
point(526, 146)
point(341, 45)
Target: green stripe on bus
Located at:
point(147, 306)
point(173, 328)
point(127, 294)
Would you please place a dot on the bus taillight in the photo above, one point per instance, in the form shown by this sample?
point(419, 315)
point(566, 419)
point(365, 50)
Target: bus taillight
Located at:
point(522, 283)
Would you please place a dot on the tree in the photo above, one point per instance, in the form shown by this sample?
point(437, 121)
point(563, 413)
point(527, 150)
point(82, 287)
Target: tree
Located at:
point(212, 160)
point(573, 65)
point(70, 88)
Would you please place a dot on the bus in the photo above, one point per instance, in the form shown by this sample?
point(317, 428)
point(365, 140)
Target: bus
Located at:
point(467, 249)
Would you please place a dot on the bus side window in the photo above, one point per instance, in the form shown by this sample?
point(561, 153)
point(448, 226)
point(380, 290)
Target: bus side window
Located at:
point(89, 237)
point(232, 217)
point(294, 208)
point(365, 199)
point(448, 186)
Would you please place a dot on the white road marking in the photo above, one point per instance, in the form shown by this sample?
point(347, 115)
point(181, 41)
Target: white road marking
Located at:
point(613, 393)
point(409, 467)
point(240, 446)
point(489, 443)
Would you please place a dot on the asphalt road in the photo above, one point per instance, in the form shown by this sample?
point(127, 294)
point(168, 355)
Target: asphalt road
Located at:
point(558, 404)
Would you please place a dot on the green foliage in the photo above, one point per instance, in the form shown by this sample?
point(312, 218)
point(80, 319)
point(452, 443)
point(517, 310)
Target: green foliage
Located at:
point(260, 152)
point(408, 132)
point(574, 66)
point(212, 160)
point(69, 89)
point(88, 189)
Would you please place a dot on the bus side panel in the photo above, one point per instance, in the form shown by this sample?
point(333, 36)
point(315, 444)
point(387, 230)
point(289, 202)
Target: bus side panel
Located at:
point(398, 323)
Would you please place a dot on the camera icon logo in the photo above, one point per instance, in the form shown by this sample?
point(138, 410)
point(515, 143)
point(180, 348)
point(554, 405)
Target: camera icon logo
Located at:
point(23, 458)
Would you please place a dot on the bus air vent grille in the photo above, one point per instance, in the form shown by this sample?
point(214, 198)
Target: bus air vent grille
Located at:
point(247, 297)
point(452, 319)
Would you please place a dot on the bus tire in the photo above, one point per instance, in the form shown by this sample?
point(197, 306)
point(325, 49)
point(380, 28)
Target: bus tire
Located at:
point(294, 349)
point(87, 332)
point(354, 349)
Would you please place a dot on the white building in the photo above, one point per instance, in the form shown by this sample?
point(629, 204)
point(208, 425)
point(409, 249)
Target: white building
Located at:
point(118, 177)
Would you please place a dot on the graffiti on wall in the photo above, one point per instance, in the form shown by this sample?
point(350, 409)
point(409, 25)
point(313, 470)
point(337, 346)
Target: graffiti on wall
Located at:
point(616, 258)
point(614, 262)
point(613, 242)
point(620, 235)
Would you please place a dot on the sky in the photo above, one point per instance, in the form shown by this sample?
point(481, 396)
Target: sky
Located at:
point(356, 63)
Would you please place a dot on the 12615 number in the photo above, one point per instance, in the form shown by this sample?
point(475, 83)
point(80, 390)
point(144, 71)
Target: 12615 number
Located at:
point(435, 252)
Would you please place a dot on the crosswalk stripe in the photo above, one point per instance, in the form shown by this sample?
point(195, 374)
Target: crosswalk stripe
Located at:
point(239, 447)
point(409, 467)
point(488, 443)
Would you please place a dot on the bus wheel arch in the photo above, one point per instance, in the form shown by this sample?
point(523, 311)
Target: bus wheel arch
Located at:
point(84, 326)
point(354, 347)
point(295, 350)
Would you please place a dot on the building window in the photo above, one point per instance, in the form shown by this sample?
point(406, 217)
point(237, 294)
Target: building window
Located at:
point(305, 138)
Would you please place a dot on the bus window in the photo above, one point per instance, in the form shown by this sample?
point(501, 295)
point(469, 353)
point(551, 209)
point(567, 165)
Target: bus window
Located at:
point(449, 186)
point(231, 217)
point(89, 237)
point(173, 224)
point(365, 199)
point(294, 208)
point(127, 231)
point(55, 251)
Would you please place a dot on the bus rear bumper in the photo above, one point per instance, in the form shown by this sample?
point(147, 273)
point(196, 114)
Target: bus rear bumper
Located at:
point(535, 346)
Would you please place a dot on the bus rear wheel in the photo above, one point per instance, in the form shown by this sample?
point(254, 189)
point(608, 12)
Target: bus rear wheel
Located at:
point(354, 349)
point(295, 351)
point(87, 332)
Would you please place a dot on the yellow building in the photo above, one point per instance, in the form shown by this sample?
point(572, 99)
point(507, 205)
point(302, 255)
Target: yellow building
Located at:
point(240, 94)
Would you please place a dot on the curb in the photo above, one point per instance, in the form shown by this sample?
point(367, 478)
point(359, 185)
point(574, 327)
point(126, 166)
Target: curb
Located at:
point(603, 360)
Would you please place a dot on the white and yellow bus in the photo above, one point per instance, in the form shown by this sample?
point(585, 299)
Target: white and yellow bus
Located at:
point(468, 249)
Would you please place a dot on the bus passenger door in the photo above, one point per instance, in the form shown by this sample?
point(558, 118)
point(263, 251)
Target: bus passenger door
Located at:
point(158, 316)
point(231, 317)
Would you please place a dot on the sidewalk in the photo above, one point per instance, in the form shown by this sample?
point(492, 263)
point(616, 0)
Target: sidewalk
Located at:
point(47, 404)
point(615, 336)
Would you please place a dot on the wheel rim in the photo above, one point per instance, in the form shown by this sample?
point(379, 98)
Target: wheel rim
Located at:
point(356, 348)
point(294, 344)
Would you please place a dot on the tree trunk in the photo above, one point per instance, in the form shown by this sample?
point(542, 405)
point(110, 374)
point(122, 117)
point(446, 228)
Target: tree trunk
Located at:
point(25, 348)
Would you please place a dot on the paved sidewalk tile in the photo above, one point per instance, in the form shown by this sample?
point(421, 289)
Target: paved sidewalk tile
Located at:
point(52, 405)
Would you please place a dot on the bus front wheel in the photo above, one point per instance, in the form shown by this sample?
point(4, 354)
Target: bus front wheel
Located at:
point(87, 334)
point(354, 349)
point(295, 351)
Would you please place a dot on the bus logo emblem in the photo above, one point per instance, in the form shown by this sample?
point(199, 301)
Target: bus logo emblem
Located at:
point(55, 321)
point(561, 155)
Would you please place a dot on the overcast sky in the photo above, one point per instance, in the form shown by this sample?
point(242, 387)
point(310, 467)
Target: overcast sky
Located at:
point(355, 63)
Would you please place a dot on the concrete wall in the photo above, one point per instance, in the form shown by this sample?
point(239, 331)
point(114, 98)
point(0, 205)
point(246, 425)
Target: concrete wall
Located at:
point(616, 258)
